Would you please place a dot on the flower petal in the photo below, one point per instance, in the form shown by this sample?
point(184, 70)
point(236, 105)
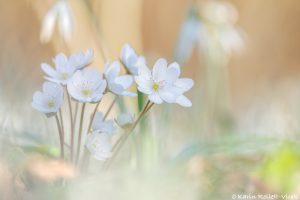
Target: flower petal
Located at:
point(155, 98)
point(144, 72)
point(184, 83)
point(167, 96)
point(112, 70)
point(173, 72)
point(97, 122)
point(61, 62)
point(125, 81)
point(52, 88)
point(159, 69)
point(183, 101)
point(49, 70)
point(130, 94)
point(115, 88)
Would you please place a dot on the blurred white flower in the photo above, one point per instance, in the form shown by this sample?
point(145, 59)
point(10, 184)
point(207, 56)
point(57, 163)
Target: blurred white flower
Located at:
point(63, 71)
point(160, 85)
point(212, 28)
point(61, 12)
point(188, 36)
point(125, 119)
point(103, 126)
point(219, 12)
point(217, 28)
point(87, 85)
point(49, 100)
point(131, 60)
point(99, 145)
point(81, 59)
point(117, 84)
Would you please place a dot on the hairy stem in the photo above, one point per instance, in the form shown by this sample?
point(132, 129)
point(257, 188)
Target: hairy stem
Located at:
point(124, 137)
point(80, 133)
point(75, 113)
point(110, 108)
point(72, 127)
point(92, 117)
point(60, 137)
point(62, 131)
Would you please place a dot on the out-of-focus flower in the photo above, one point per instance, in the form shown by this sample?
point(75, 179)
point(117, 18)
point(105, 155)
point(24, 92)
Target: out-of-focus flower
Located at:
point(117, 84)
point(87, 86)
point(131, 60)
point(49, 100)
point(160, 84)
point(81, 59)
point(218, 12)
point(217, 27)
point(188, 36)
point(103, 126)
point(99, 145)
point(63, 71)
point(125, 119)
point(212, 28)
point(60, 12)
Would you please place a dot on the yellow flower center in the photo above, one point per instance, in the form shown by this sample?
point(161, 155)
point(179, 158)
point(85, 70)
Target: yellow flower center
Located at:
point(155, 86)
point(86, 92)
point(50, 104)
point(64, 76)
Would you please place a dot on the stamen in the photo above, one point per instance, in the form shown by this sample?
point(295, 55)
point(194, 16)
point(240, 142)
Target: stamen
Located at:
point(155, 86)
point(64, 76)
point(51, 104)
point(86, 92)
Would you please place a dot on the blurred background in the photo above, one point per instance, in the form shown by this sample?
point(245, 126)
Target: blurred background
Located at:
point(242, 133)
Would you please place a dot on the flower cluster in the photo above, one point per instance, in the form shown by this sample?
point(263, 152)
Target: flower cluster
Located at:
point(88, 85)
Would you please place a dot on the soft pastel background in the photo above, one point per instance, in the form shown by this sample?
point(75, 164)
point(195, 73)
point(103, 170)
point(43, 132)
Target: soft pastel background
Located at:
point(251, 147)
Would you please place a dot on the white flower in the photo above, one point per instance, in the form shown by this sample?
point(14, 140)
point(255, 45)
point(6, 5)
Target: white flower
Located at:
point(81, 59)
point(63, 71)
point(49, 100)
point(163, 83)
point(87, 86)
point(103, 126)
point(99, 145)
point(125, 119)
point(60, 11)
point(131, 60)
point(159, 85)
point(117, 84)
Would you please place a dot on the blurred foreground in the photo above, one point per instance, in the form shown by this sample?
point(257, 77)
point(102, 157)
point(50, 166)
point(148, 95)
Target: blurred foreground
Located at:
point(240, 137)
